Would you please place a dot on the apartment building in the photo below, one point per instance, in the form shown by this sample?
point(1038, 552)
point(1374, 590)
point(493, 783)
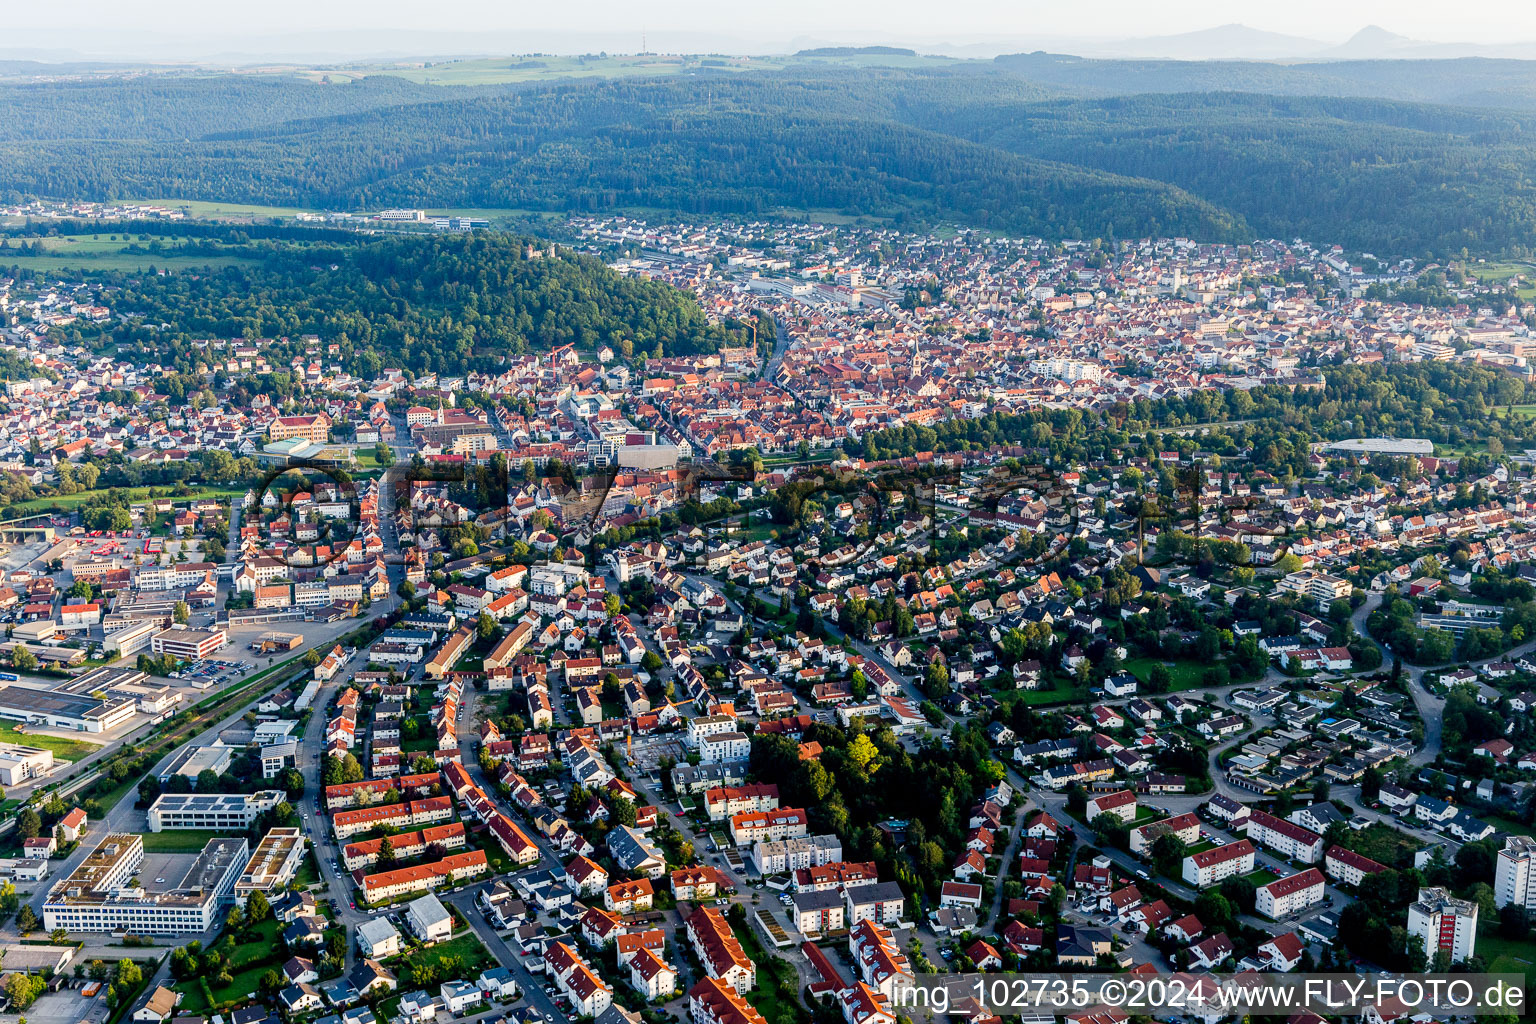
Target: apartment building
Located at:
point(768, 826)
point(1514, 879)
point(451, 870)
point(1210, 867)
point(1285, 837)
point(1286, 896)
point(1445, 924)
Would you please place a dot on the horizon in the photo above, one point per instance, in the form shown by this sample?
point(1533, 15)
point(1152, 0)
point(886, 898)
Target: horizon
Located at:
point(325, 33)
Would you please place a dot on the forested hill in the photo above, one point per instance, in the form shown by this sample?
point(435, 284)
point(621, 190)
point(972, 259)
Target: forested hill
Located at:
point(980, 144)
point(1467, 81)
point(444, 303)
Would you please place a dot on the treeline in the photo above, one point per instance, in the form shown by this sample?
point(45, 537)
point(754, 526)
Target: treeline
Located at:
point(979, 144)
point(833, 140)
point(439, 303)
point(1273, 427)
point(1464, 82)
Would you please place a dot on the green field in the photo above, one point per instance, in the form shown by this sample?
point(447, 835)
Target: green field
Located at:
point(1063, 691)
point(66, 502)
point(1187, 675)
point(64, 749)
point(1503, 272)
point(181, 840)
point(96, 252)
point(1386, 845)
point(1512, 956)
point(1261, 876)
point(465, 946)
point(199, 208)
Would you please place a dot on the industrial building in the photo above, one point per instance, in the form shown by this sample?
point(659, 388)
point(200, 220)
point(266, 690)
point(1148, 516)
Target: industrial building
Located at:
point(229, 812)
point(97, 896)
point(131, 638)
point(80, 712)
point(192, 761)
point(19, 763)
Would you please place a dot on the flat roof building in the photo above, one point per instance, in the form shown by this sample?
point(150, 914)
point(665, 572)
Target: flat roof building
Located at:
point(19, 763)
point(273, 864)
point(97, 896)
point(188, 644)
point(224, 811)
point(61, 710)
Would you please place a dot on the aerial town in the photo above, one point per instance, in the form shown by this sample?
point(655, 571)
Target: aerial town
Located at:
point(745, 687)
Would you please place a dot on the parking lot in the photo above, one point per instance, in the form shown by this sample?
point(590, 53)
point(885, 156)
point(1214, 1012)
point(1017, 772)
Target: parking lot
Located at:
point(211, 672)
point(66, 1006)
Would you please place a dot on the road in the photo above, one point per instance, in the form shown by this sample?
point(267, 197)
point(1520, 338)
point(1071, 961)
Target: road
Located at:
point(780, 347)
point(531, 984)
point(1431, 708)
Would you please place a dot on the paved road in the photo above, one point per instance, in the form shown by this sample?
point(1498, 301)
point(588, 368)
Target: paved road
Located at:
point(780, 347)
point(531, 984)
point(1431, 707)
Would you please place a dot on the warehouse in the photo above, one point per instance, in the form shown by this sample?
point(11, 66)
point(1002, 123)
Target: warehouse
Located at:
point(80, 712)
point(19, 763)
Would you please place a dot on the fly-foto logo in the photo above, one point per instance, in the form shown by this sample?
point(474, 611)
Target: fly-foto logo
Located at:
point(308, 513)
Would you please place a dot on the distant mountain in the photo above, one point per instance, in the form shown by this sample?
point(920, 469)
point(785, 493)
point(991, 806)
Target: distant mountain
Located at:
point(1375, 43)
point(1224, 42)
point(857, 51)
point(1469, 82)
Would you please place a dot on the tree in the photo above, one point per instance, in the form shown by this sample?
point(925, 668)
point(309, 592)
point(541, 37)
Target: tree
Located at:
point(257, 909)
point(1168, 854)
point(22, 659)
point(386, 851)
point(23, 990)
point(863, 753)
point(28, 823)
point(486, 625)
point(936, 681)
point(180, 612)
point(271, 984)
point(128, 975)
point(26, 919)
point(652, 662)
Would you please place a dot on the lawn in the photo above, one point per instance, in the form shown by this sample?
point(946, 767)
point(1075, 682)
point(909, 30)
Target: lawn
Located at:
point(1384, 844)
point(1187, 675)
point(466, 946)
point(180, 840)
point(1063, 691)
point(1510, 825)
point(96, 252)
point(65, 750)
point(1508, 956)
point(135, 494)
point(1261, 876)
point(774, 995)
point(250, 959)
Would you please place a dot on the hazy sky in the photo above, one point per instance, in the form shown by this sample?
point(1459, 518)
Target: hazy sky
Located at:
point(1486, 21)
